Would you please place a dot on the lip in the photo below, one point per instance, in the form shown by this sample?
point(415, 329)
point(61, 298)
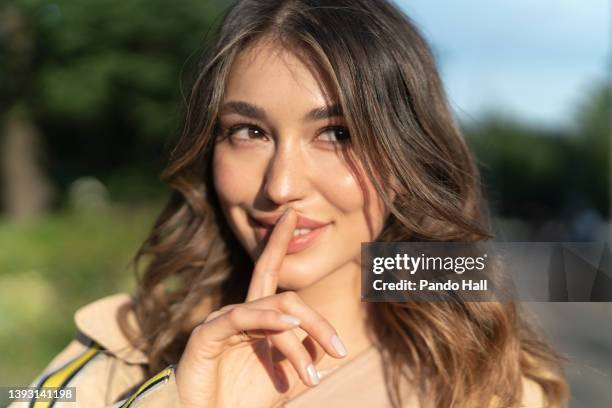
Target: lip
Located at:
point(263, 226)
point(270, 221)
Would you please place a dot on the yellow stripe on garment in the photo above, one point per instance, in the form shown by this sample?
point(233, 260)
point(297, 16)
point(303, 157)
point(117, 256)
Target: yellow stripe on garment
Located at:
point(60, 377)
point(162, 375)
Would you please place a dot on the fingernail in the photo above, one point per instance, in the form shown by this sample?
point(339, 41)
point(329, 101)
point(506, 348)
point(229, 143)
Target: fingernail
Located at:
point(338, 345)
point(285, 214)
point(313, 374)
point(290, 319)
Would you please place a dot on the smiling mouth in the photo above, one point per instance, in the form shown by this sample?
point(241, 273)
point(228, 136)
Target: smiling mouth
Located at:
point(303, 237)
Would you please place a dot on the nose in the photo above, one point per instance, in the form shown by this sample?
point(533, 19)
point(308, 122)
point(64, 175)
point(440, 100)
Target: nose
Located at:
point(286, 174)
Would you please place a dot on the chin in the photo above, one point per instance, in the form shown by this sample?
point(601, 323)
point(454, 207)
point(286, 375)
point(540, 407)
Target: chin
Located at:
point(300, 272)
point(296, 279)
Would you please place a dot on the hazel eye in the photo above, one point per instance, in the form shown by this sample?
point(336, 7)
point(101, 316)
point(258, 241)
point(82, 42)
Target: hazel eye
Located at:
point(335, 134)
point(244, 132)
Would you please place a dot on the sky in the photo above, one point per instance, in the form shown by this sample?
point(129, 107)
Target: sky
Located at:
point(529, 59)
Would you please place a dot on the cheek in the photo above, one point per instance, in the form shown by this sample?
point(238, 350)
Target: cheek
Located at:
point(360, 218)
point(340, 188)
point(231, 177)
point(347, 195)
point(234, 182)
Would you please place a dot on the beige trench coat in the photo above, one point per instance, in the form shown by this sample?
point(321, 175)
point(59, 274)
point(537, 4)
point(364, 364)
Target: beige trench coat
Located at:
point(107, 372)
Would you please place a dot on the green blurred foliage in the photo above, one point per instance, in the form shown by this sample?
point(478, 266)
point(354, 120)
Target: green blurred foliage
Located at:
point(592, 169)
point(102, 82)
point(52, 266)
point(536, 173)
point(102, 79)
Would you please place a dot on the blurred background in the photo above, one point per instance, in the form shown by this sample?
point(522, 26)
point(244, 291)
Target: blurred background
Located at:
point(90, 97)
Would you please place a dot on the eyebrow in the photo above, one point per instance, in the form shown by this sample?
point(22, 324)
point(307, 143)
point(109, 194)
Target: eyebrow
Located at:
point(252, 111)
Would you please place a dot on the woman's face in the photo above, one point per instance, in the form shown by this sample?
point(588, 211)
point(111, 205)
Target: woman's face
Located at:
point(278, 154)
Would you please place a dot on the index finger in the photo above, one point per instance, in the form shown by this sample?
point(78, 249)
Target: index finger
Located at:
point(265, 274)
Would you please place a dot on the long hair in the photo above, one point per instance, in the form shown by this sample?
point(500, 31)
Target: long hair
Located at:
point(372, 58)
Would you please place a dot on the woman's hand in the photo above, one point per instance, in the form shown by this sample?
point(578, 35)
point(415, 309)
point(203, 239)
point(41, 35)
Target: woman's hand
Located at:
point(232, 360)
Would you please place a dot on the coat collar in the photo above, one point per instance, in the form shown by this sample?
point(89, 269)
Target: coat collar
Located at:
point(98, 321)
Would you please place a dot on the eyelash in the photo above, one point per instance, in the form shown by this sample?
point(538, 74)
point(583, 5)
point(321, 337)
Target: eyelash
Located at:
point(230, 131)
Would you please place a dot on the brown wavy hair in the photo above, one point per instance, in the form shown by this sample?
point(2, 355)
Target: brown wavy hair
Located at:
point(374, 61)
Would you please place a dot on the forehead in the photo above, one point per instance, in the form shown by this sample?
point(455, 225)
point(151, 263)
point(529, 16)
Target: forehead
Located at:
point(275, 78)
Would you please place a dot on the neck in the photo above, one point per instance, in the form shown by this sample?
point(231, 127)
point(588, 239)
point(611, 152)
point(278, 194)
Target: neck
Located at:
point(337, 297)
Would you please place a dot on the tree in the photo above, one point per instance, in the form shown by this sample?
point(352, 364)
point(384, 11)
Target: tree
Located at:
point(101, 79)
point(594, 117)
point(27, 191)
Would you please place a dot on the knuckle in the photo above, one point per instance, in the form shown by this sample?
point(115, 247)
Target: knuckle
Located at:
point(270, 316)
point(235, 316)
point(301, 352)
point(299, 360)
point(198, 331)
point(213, 315)
point(288, 298)
point(302, 357)
point(200, 346)
point(228, 307)
point(297, 354)
point(320, 321)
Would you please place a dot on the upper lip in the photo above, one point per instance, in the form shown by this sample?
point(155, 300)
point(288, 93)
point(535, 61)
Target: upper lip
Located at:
point(302, 222)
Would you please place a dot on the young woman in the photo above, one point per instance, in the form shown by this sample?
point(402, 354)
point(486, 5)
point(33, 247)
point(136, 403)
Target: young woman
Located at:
point(312, 126)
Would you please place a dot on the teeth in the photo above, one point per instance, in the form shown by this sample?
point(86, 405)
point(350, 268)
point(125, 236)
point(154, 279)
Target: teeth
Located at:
point(301, 231)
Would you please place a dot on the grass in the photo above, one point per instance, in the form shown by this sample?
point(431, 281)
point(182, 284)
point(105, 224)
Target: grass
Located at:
point(51, 266)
